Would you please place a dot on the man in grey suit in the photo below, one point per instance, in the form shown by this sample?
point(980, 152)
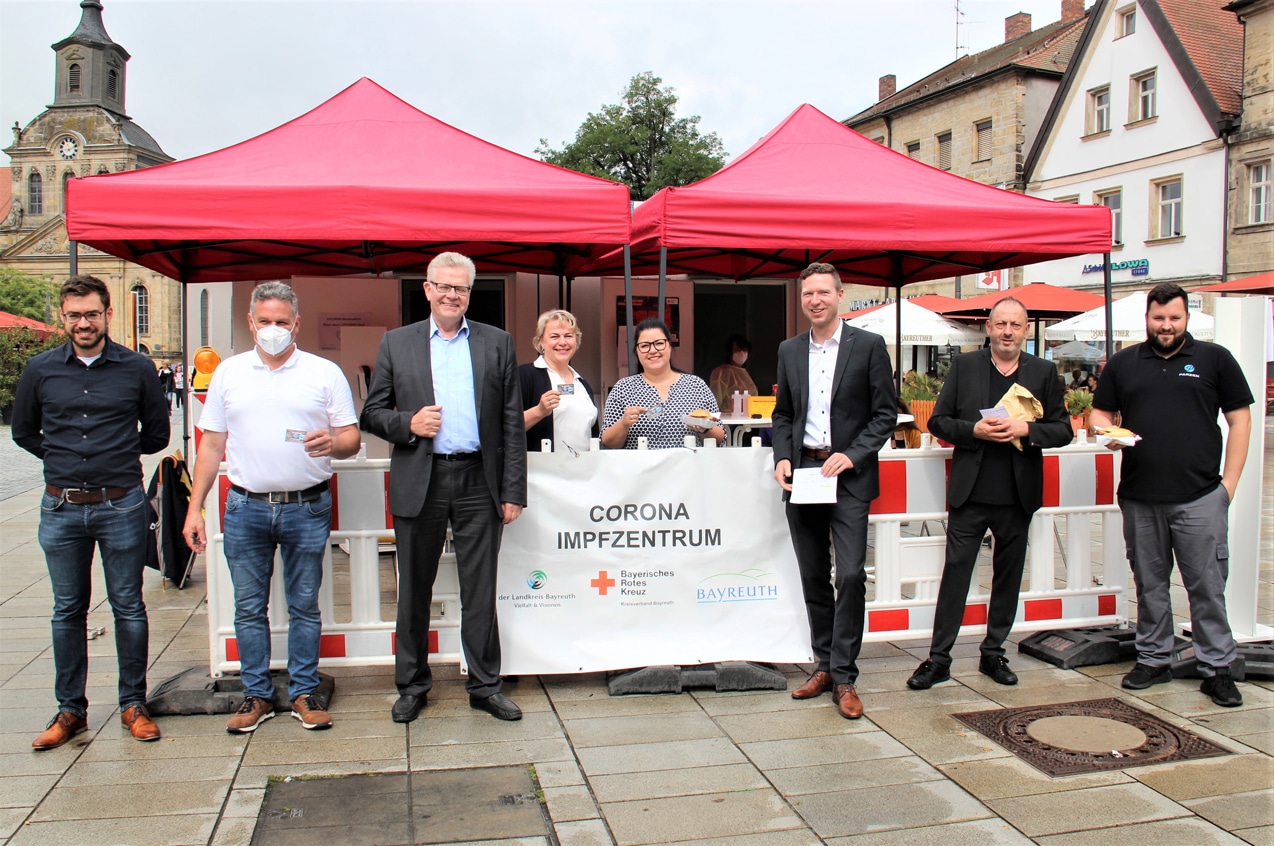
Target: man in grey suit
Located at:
point(836, 408)
point(993, 484)
point(445, 394)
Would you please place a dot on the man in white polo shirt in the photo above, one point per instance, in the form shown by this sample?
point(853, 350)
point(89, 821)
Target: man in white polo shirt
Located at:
point(278, 415)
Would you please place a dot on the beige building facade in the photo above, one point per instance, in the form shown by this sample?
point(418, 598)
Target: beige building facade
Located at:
point(86, 132)
point(1250, 245)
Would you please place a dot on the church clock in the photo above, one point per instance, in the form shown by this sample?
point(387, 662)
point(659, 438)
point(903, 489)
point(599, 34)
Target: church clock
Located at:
point(67, 148)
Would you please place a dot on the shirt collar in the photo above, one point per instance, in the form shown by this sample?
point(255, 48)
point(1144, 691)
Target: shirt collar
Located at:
point(260, 362)
point(831, 343)
point(544, 365)
point(111, 352)
point(463, 333)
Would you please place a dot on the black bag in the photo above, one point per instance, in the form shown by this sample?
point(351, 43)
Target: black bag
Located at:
point(168, 501)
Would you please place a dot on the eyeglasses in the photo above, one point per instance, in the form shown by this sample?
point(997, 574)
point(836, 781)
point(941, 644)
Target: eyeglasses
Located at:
point(459, 290)
point(655, 346)
point(73, 317)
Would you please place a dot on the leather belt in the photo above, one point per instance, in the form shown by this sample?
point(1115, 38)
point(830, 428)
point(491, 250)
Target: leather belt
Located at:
point(458, 456)
point(85, 496)
point(816, 453)
point(277, 497)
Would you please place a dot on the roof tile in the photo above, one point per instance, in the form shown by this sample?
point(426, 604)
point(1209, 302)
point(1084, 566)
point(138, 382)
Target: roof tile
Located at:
point(1213, 38)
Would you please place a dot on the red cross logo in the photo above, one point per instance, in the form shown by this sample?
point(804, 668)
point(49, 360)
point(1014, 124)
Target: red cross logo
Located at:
point(602, 582)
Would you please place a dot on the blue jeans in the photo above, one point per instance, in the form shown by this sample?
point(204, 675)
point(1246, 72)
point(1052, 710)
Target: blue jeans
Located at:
point(254, 529)
point(67, 535)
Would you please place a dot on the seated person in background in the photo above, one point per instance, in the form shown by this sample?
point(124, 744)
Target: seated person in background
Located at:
point(652, 403)
point(1091, 382)
point(730, 377)
point(557, 402)
point(1077, 380)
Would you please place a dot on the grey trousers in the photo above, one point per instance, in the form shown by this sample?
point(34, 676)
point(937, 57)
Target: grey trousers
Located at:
point(1197, 533)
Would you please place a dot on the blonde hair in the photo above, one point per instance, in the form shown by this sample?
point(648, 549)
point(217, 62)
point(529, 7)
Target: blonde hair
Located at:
point(451, 260)
point(543, 323)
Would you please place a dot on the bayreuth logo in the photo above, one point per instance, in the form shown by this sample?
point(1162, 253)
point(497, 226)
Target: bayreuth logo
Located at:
point(746, 586)
point(536, 579)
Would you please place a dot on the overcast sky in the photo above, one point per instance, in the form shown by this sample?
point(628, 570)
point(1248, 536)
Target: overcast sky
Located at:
point(206, 74)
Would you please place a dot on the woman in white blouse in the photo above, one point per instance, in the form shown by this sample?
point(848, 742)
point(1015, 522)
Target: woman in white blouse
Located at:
point(558, 402)
point(654, 403)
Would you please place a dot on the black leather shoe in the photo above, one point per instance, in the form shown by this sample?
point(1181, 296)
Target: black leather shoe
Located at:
point(998, 670)
point(407, 708)
point(927, 675)
point(497, 705)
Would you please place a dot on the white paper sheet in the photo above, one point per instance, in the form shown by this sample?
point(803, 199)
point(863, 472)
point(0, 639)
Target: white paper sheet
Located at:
point(811, 487)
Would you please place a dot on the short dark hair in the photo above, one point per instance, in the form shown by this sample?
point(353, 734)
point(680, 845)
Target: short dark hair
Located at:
point(1166, 292)
point(820, 267)
point(651, 323)
point(1008, 301)
point(736, 342)
point(82, 286)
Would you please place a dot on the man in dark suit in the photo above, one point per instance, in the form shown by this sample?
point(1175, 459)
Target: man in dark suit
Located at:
point(445, 394)
point(836, 408)
point(993, 484)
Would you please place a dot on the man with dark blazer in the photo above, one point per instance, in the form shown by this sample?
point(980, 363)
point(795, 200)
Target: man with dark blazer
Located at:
point(835, 410)
point(993, 484)
point(445, 394)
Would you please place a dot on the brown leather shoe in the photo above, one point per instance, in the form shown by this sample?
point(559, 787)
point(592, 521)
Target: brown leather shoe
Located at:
point(139, 723)
point(61, 728)
point(847, 701)
point(818, 684)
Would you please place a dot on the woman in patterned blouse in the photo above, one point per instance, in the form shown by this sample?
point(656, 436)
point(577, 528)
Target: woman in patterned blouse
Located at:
point(653, 403)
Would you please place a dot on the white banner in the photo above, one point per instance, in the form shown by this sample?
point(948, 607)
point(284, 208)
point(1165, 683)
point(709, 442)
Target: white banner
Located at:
point(634, 558)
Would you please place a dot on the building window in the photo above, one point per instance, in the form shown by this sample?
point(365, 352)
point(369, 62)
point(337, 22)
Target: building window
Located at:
point(141, 310)
point(35, 193)
point(913, 149)
point(1168, 200)
point(203, 318)
point(1114, 200)
point(112, 85)
point(1258, 180)
point(984, 140)
point(1142, 102)
point(879, 139)
point(1128, 22)
point(73, 79)
point(1073, 199)
point(944, 151)
point(1099, 110)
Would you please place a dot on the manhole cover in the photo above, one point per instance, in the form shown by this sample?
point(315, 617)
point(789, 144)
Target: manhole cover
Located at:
point(1088, 737)
point(403, 809)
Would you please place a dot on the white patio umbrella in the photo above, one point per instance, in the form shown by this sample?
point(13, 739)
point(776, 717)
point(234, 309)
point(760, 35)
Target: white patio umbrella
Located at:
point(920, 327)
point(1077, 351)
point(1128, 318)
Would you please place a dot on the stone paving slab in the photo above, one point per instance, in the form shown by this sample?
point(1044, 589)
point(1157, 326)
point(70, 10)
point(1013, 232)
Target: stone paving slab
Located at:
point(689, 754)
point(999, 778)
point(480, 727)
point(694, 818)
point(872, 809)
point(821, 751)
point(162, 771)
point(659, 784)
point(1236, 811)
point(1261, 835)
point(1089, 808)
point(494, 754)
point(973, 833)
point(1209, 777)
point(787, 725)
point(109, 801)
point(1191, 831)
point(182, 830)
point(668, 728)
point(796, 781)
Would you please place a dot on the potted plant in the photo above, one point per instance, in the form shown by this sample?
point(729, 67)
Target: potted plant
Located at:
point(920, 392)
point(1079, 403)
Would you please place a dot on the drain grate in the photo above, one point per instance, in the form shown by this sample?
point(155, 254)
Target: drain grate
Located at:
point(1088, 737)
point(403, 809)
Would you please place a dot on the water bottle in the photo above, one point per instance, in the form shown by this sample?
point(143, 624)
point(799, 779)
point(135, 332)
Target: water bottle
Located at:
point(737, 404)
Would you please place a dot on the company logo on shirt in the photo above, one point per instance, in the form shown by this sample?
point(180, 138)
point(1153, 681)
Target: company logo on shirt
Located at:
point(1188, 370)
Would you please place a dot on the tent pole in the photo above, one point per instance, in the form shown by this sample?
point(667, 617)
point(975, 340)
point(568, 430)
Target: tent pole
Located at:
point(628, 303)
point(186, 376)
point(663, 282)
point(1110, 317)
point(74, 256)
point(561, 291)
point(570, 284)
point(1039, 350)
point(897, 263)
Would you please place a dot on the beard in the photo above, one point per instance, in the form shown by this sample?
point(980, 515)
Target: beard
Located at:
point(82, 341)
point(1166, 347)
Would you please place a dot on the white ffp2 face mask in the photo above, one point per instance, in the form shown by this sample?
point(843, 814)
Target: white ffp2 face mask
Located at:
point(273, 339)
point(740, 358)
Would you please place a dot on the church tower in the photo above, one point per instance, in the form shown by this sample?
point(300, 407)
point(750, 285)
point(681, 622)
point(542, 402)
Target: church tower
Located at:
point(84, 132)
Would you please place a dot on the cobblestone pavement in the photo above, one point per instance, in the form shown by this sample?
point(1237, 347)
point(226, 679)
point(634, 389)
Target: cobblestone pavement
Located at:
point(745, 769)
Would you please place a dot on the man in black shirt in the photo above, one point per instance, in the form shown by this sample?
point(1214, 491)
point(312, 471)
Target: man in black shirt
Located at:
point(994, 484)
point(78, 408)
point(1169, 390)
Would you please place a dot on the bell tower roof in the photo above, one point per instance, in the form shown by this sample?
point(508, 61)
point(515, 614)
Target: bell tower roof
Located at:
point(91, 67)
point(91, 32)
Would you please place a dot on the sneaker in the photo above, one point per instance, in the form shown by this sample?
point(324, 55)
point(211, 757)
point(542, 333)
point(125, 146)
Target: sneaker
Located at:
point(927, 675)
point(310, 710)
point(1222, 690)
point(998, 669)
point(1144, 675)
point(252, 713)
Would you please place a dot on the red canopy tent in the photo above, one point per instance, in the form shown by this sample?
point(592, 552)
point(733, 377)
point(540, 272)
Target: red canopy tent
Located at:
point(1042, 300)
point(1260, 284)
point(363, 183)
point(17, 321)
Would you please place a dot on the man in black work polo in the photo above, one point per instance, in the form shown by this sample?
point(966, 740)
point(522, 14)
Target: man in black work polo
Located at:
point(1169, 390)
point(78, 408)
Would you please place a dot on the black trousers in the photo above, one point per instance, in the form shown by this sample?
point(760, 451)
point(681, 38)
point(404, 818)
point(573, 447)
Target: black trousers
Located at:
point(458, 494)
point(836, 610)
point(966, 526)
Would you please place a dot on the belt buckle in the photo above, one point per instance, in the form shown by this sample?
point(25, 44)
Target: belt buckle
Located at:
point(277, 497)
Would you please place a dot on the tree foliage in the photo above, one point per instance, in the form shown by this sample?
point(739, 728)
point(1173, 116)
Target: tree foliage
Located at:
point(24, 295)
point(16, 346)
point(641, 142)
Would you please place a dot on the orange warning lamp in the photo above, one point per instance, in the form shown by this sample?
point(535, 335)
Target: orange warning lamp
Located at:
point(206, 361)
